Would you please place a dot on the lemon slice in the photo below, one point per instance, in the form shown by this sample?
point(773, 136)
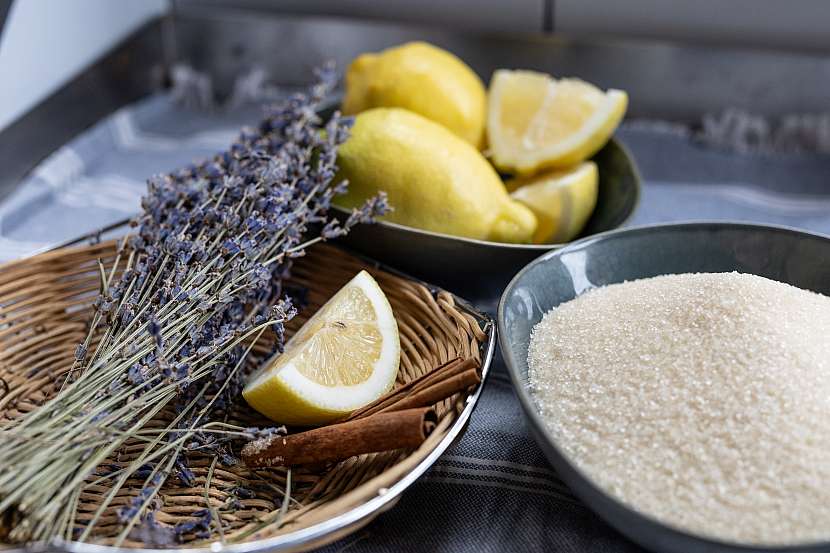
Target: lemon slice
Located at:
point(561, 200)
point(342, 358)
point(536, 122)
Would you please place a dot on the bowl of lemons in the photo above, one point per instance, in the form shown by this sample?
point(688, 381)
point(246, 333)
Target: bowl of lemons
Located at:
point(480, 181)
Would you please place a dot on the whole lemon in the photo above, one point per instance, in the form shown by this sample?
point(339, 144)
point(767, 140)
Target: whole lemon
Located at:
point(421, 78)
point(435, 180)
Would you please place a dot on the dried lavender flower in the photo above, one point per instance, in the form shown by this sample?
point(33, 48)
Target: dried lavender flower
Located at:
point(202, 275)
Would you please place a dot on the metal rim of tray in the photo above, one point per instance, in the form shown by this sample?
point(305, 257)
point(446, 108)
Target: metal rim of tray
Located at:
point(307, 537)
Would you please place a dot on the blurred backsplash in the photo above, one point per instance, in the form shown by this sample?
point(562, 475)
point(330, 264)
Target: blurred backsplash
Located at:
point(666, 80)
point(755, 23)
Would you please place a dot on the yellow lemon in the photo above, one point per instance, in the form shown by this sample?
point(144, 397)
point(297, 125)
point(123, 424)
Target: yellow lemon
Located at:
point(343, 357)
point(421, 78)
point(536, 122)
point(562, 201)
point(435, 180)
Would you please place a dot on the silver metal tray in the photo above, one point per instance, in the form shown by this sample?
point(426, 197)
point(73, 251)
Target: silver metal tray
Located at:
point(327, 531)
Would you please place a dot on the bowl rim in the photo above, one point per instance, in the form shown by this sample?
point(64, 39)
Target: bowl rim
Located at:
point(696, 543)
point(637, 196)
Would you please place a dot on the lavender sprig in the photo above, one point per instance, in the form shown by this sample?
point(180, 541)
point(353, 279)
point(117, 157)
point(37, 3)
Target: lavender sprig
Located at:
point(202, 281)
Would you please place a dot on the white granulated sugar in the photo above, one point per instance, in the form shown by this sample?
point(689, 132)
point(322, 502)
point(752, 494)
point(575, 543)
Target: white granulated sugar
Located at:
point(702, 400)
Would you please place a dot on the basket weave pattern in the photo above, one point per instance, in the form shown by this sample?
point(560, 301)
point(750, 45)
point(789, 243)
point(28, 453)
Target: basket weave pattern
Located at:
point(44, 308)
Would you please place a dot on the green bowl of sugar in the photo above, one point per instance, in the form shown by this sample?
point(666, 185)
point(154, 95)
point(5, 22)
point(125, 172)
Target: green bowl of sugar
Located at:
point(677, 377)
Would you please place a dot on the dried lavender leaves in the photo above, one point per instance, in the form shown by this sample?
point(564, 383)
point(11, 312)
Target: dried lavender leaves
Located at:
point(201, 279)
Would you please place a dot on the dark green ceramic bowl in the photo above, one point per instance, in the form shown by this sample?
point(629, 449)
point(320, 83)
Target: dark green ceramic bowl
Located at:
point(479, 269)
point(778, 253)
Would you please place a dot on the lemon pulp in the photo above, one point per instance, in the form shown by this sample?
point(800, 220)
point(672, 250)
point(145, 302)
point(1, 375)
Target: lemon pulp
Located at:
point(536, 122)
point(562, 200)
point(343, 357)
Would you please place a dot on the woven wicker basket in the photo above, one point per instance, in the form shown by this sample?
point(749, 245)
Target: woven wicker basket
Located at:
point(44, 306)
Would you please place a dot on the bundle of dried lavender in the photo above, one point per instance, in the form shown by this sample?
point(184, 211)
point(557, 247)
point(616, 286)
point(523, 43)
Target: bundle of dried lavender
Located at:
point(200, 281)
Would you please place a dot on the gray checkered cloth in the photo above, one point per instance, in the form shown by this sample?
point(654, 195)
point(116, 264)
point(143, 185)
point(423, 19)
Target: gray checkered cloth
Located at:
point(493, 490)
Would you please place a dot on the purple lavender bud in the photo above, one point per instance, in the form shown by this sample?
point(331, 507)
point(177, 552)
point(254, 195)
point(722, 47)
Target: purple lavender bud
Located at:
point(230, 247)
point(227, 459)
point(154, 534)
point(184, 473)
point(127, 512)
point(135, 375)
point(243, 493)
point(253, 223)
point(182, 371)
point(100, 416)
point(184, 527)
point(144, 470)
point(80, 352)
point(204, 350)
point(154, 328)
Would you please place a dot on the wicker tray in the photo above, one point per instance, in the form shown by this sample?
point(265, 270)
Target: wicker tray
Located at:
point(44, 306)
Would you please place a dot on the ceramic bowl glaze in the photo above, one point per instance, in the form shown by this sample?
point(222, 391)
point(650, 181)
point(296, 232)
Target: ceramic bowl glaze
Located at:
point(477, 268)
point(480, 269)
point(787, 255)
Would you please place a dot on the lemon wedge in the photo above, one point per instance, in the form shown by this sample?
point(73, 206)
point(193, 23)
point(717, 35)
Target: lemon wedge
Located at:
point(536, 122)
point(561, 200)
point(342, 358)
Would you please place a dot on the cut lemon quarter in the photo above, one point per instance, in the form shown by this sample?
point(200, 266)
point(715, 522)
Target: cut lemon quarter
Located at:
point(536, 122)
point(342, 358)
point(562, 200)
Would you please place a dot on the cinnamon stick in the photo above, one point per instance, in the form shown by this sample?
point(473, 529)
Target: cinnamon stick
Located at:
point(371, 428)
point(446, 371)
point(405, 429)
point(438, 391)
